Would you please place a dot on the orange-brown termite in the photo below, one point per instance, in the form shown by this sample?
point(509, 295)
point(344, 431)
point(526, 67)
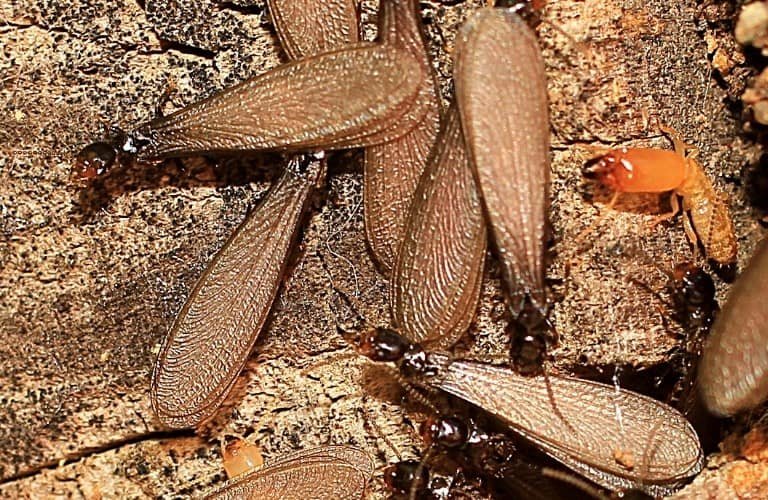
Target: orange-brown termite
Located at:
point(649, 170)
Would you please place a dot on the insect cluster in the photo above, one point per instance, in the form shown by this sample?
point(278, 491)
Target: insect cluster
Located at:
point(441, 187)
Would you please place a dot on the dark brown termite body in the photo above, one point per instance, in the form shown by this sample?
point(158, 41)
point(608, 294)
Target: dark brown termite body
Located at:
point(733, 372)
point(501, 92)
point(616, 438)
point(693, 295)
point(323, 473)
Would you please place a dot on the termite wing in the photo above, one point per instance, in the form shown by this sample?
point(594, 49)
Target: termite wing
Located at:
point(617, 438)
point(393, 169)
point(212, 337)
point(501, 93)
point(733, 371)
point(437, 279)
point(323, 473)
point(216, 329)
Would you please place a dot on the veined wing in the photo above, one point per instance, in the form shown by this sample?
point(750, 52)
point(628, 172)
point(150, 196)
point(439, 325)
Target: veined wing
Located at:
point(214, 333)
point(617, 438)
point(393, 169)
point(329, 472)
point(502, 96)
point(436, 282)
point(309, 27)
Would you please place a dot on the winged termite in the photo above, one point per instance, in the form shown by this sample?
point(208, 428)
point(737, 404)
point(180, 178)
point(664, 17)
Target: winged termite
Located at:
point(393, 169)
point(437, 279)
point(617, 438)
point(360, 96)
point(214, 333)
point(733, 372)
point(307, 27)
point(324, 473)
point(502, 98)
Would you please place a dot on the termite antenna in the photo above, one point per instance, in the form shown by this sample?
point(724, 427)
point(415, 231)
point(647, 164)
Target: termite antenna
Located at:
point(573, 481)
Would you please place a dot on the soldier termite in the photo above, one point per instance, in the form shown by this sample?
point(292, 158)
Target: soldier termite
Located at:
point(216, 329)
point(501, 92)
point(393, 169)
point(361, 96)
point(326, 472)
point(733, 372)
point(617, 438)
point(645, 170)
point(436, 282)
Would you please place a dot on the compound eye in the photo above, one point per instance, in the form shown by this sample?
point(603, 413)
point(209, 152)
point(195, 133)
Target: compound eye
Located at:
point(94, 160)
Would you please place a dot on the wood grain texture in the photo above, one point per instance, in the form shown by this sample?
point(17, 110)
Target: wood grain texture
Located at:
point(216, 329)
point(436, 282)
point(393, 169)
point(584, 424)
point(502, 95)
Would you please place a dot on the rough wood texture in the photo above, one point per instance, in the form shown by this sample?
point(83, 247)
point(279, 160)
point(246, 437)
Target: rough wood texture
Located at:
point(91, 280)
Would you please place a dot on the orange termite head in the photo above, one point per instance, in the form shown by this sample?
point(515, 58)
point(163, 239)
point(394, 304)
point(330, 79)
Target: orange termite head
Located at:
point(612, 170)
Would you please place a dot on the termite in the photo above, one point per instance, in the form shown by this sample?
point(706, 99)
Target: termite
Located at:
point(733, 371)
point(360, 96)
point(572, 420)
point(326, 472)
point(501, 92)
point(239, 456)
point(647, 170)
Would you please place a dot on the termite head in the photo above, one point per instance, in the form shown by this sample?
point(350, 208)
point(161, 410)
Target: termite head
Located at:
point(529, 10)
point(613, 170)
point(97, 159)
point(383, 344)
point(693, 286)
point(94, 160)
point(445, 432)
point(239, 456)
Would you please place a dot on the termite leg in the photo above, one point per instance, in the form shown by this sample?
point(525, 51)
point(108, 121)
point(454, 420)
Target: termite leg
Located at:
point(675, 202)
point(692, 236)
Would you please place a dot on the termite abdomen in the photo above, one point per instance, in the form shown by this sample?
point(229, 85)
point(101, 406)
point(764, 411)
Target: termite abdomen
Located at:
point(693, 292)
